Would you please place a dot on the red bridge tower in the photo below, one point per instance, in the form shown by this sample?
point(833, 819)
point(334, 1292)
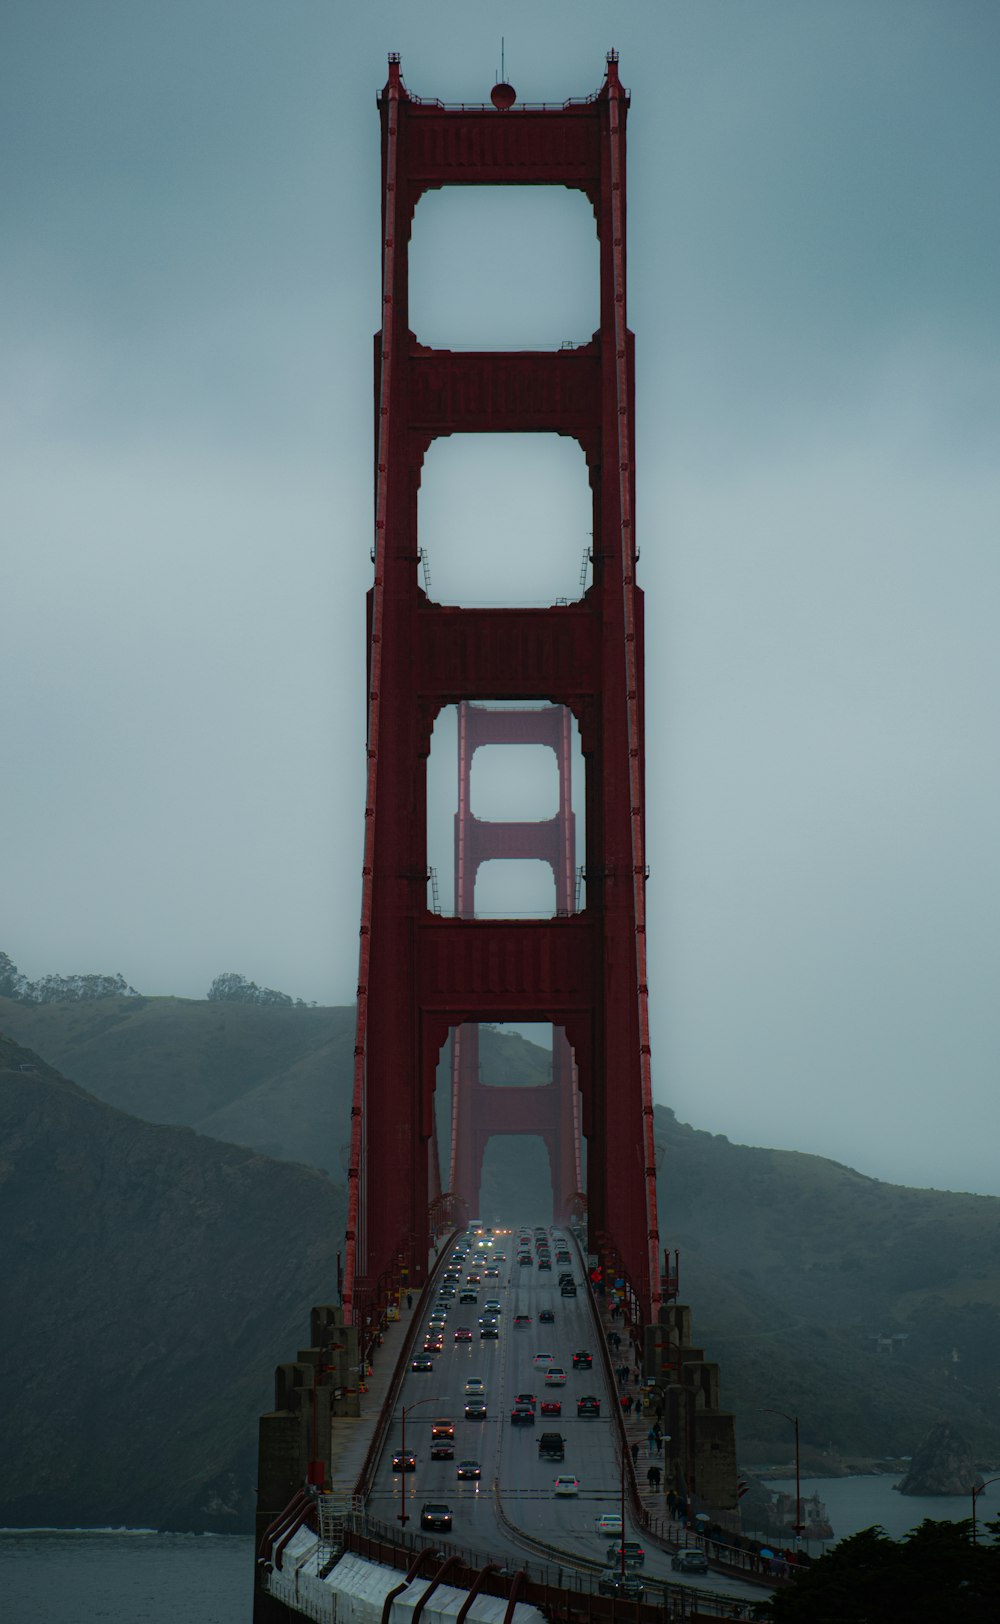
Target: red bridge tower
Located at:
point(422, 975)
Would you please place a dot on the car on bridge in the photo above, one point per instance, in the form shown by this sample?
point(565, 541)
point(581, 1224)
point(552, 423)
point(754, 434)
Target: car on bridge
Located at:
point(434, 1514)
point(635, 1556)
point(468, 1295)
point(568, 1290)
point(433, 1344)
point(404, 1462)
point(492, 1305)
point(491, 1274)
point(442, 1449)
point(522, 1415)
point(472, 1280)
point(546, 1317)
point(442, 1427)
point(525, 1398)
point(613, 1582)
point(488, 1331)
point(583, 1360)
point(551, 1445)
point(522, 1322)
point(422, 1362)
point(550, 1406)
point(475, 1410)
point(588, 1405)
point(469, 1469)
point(555, 1376)
point(609, 1522)
point(463, 1334)
point(542, 1359)
point(524, 1260)
point(475, 1387)
point(544, 1263)
point(565, 1486)
point(689, 1560)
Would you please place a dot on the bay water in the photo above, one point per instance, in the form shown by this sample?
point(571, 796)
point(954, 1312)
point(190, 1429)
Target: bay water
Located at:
point(123, 1576)
point(854, 1503)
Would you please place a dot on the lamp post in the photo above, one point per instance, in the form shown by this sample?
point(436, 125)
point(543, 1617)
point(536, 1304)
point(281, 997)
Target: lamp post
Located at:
point(793, 1421)
point(976, 1491)
point(433, 1398)
point(621, 1536)
point(685, 1415)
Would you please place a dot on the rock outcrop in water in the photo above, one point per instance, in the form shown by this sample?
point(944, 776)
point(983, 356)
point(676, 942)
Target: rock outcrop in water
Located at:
point(942, 1465)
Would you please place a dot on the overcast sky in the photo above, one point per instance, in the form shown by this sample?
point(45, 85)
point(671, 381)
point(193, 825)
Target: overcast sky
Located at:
point(188, 289)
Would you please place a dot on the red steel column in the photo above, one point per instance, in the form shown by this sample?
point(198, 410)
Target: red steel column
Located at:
point(552, 841)
point(419, 974)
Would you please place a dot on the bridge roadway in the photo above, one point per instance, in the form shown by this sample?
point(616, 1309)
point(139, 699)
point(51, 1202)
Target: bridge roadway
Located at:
point(508, 1454)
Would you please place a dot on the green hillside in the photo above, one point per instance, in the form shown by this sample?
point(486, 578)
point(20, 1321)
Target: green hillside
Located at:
point(151, 1279)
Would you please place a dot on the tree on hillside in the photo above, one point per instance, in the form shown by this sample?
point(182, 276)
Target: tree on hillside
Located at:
point(234, 989)
point(935, 1574)
point(53, 989)
point(10, 977)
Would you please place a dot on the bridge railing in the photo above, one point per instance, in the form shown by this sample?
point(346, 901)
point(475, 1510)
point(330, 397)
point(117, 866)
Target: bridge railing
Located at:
point(367, 1474)
point(564, 1591)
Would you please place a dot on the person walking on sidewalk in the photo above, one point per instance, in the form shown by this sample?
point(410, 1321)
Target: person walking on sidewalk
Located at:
point(635, 1453)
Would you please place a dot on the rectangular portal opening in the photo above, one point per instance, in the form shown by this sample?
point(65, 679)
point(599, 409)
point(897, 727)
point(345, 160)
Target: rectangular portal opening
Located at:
point(505, 521)
point(506, 824)
point(504, 267)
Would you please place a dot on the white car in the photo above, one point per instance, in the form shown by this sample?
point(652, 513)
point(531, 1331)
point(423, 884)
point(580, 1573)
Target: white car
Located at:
point(555, 1376)
point(566, 1485)
point(475, 1387)
point(609, 1522)
point(542, 1359)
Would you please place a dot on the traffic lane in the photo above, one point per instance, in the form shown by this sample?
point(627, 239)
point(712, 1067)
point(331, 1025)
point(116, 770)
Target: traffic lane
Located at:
point(440, 1393)
point(505, 1366)
point(591, 1444)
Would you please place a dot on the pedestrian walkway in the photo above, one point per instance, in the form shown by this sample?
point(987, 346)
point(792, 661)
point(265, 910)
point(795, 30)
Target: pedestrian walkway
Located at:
point(637, 1421)
point(350, 1435)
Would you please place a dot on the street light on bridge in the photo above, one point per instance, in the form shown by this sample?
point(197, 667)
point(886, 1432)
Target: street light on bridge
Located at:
point(798, 1524)
point(976, 1491)
point(432, 1398)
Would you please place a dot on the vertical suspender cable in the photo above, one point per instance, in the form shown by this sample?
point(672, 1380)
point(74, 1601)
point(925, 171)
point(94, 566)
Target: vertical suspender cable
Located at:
point(627, 544)
point(354, 1172)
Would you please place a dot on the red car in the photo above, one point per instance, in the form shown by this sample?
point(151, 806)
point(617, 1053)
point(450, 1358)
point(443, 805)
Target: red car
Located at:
point(463, 1334)
point(551, 1406)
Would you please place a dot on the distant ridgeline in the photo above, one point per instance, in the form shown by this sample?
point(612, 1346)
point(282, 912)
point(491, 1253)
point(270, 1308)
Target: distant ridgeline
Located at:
point(228, 988)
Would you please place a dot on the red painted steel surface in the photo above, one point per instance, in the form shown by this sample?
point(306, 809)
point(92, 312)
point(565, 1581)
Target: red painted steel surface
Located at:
point(419, 973)
point(481, 1111)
